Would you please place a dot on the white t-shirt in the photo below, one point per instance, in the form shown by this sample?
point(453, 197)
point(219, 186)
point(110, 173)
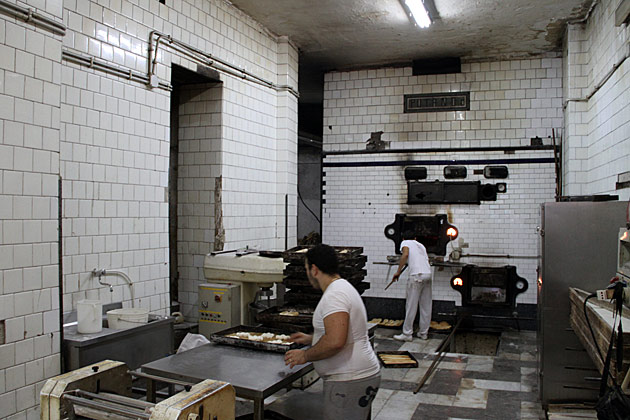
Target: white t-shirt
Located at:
point(357, 359)
point(418, 260)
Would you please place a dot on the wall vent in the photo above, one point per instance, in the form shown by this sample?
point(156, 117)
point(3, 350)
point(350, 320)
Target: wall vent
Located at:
point(437, 66)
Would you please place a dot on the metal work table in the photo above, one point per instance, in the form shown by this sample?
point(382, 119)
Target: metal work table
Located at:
point(254, 374)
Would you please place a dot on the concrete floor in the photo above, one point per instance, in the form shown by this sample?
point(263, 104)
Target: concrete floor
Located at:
point(463, 386)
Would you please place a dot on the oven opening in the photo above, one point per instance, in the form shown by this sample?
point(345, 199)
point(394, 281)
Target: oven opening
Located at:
point(488, 286)
point(487, 295)
point(477, 343)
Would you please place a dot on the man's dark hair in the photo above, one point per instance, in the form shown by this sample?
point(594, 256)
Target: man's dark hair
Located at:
point(409, 234)
point(324, 257)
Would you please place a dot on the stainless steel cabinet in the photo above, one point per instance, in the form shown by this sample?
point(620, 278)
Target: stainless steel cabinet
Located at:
point(578, 249)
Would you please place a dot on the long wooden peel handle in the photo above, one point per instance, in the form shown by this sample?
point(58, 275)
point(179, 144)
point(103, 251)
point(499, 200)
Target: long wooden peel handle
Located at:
point(392, 282)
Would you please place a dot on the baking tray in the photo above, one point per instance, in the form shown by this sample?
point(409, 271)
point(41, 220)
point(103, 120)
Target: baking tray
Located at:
point(381, 325)
point(344, 271)
point(412, 364)
point(287, 326)
point(273, 315)
point(220, 337)
point(292, 282)
point(296, 254)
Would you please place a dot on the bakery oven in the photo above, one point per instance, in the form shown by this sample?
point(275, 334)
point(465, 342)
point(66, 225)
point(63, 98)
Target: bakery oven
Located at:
point(434, 232)
point(489, 286)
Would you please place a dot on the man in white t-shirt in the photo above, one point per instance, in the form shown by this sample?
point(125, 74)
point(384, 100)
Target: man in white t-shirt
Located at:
point(414, 254)
point(341, 352)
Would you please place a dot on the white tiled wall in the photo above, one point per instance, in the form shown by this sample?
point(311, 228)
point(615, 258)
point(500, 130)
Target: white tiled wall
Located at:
point(598, 122)
point(511, 101)
point(114, 157)
point(108, 138)
point(30, 73)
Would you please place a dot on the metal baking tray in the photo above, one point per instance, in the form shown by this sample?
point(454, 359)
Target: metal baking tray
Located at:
point(296, 255)
point(220, 337)
point(305, 314)
point(412, 364)
point(382, 325)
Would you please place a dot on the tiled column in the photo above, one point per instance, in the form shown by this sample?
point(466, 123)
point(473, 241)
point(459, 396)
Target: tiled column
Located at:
point(575, 146)
point(30, 76)
point(286, 171)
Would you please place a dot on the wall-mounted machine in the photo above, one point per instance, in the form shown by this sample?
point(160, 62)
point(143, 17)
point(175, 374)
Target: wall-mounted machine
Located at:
point(255, 274)
point(434, 232)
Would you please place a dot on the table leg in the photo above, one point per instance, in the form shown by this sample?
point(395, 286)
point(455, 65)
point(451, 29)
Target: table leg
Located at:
point(259, 409)
point(151, 391)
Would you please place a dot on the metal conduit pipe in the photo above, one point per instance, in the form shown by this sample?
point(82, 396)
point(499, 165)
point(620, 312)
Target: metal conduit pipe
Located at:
point(607, 76)
point(207, 59)
point(440, 150)
point(101, 65)
point(499, 256)
point(30, 16)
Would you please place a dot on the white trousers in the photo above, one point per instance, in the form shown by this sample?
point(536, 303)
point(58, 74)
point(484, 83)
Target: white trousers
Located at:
point(418, 296)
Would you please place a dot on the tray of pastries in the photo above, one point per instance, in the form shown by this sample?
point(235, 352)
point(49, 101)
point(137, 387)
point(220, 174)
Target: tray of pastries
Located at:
point(397, 359)
point(257, 338)
point(388, 323)
point(440, 326)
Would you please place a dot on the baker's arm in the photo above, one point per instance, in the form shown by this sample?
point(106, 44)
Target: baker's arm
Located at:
point(401, 263)
point(331, 343)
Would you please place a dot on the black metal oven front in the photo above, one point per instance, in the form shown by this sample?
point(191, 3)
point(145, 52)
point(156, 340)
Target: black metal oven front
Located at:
point(489, 286)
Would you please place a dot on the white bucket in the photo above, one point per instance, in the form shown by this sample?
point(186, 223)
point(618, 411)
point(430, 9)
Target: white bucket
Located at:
point(89, 316)
point(121, 319)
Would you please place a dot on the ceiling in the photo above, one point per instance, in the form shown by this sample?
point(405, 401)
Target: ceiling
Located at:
point(350, 34)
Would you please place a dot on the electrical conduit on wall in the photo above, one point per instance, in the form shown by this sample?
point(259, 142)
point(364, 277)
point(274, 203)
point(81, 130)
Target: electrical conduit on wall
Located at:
point(206, 59)
point(30, 16)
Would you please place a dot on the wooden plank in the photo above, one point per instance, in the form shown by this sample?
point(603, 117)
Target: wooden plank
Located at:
point(602, 329)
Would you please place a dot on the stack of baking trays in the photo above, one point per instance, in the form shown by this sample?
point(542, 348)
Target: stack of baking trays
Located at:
point(301, 298)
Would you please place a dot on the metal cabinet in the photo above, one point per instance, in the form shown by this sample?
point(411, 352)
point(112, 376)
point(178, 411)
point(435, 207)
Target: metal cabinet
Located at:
point(578, 249)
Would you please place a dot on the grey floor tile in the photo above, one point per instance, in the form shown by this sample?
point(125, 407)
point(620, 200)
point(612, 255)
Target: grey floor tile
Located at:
point(445, 382)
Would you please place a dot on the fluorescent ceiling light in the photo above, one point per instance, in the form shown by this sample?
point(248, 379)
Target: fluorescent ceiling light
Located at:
point(418, 13)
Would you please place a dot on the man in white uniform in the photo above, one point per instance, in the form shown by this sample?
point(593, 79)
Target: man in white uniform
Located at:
point(341, 352)
point(414, 254)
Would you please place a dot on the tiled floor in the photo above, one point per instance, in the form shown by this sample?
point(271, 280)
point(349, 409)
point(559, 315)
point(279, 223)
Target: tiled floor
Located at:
point(463, 386)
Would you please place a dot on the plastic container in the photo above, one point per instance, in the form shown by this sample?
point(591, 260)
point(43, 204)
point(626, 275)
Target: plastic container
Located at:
point(124, 318)
point(89, 316)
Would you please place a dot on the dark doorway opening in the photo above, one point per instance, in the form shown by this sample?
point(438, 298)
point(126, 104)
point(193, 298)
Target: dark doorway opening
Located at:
point(183, 81)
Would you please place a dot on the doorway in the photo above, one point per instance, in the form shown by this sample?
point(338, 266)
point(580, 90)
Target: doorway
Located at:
point(194, 168)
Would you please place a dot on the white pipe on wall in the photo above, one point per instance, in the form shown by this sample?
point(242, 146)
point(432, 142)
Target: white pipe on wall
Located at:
point(30, 16)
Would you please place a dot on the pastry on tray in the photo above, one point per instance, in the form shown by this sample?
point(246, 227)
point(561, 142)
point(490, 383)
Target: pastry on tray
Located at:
point(262, 337)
